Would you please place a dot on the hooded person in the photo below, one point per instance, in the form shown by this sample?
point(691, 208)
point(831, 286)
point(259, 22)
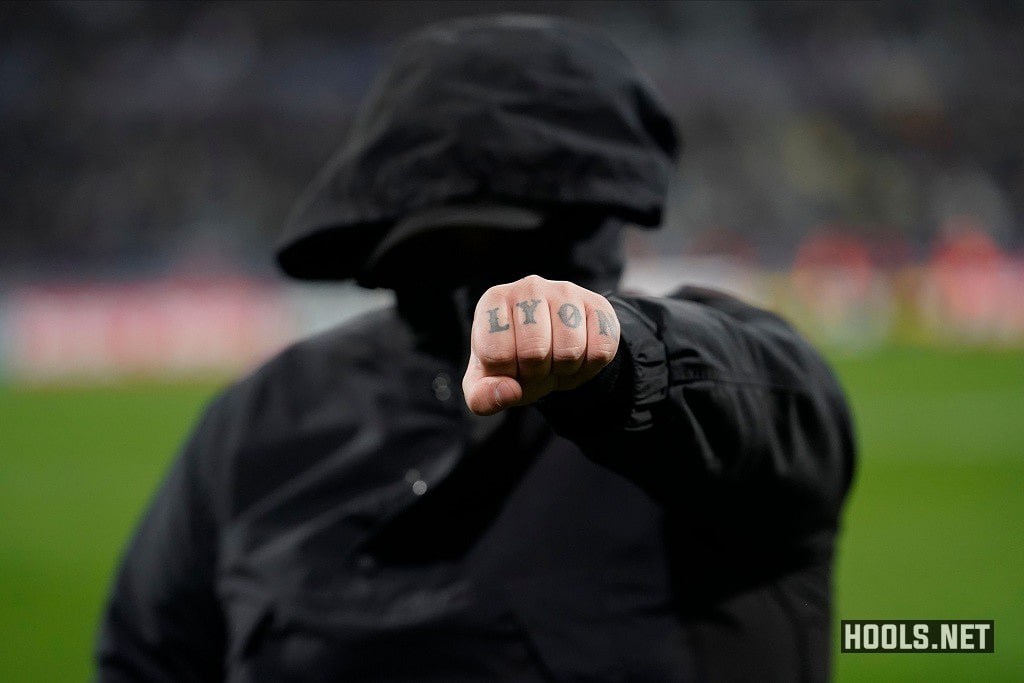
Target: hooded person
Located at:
point(622, 488)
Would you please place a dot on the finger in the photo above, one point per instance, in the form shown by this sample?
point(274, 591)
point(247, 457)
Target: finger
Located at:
point(532, 324)
point(488, 394)
point(602, 342)
point(493, 341)
point(602, 336)
point(568, 336)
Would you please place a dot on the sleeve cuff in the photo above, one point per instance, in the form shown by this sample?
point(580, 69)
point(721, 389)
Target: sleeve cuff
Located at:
point(623, 393)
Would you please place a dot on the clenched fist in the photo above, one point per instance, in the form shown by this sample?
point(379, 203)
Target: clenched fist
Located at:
point(535, 336)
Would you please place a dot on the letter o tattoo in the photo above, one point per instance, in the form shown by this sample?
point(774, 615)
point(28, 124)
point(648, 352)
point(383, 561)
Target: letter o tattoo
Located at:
point(570, 315)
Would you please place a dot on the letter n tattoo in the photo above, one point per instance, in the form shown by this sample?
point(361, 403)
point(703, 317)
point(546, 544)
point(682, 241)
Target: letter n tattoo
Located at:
point(492, 314)
point(605, 324)
point(528, 308)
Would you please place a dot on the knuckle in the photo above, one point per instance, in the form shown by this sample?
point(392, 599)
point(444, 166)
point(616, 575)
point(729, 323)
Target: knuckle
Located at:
point(532, 280)
point(494, 354)
point(495, 296)
point(569, 354)
point(492, 294)
point(563, 288)
point(533, 353)
point(602, 353)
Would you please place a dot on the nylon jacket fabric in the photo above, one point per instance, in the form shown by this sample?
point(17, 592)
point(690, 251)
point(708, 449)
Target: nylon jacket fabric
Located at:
point(340, 515)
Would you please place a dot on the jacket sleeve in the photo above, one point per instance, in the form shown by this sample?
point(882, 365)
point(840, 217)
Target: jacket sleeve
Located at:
point(710, 400)
point(162, 621)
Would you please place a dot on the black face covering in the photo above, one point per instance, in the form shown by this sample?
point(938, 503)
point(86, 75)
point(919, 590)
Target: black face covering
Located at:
point(583, 249)
point(439, 276)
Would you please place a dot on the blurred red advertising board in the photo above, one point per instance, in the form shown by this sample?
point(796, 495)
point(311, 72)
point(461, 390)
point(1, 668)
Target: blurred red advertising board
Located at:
point(146, 329)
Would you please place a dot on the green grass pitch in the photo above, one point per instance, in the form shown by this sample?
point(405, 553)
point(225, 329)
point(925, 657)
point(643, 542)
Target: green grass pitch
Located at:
point(934, 529)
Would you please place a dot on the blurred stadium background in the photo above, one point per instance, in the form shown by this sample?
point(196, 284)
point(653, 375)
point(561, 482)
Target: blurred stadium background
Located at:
point(857, 166)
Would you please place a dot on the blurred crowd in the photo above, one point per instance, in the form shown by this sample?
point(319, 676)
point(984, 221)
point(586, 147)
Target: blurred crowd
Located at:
point(858, 166)
point(146, 138)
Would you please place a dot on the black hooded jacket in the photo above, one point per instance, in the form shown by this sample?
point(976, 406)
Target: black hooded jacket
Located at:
point(340, 515)
point(530, 111)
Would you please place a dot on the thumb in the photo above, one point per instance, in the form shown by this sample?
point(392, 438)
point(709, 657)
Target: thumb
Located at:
point(489, 394)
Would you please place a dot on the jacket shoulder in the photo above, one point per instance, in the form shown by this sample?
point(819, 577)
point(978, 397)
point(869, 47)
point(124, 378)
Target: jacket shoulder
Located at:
point(312, 385)
point(310, 363)
point(723, 302)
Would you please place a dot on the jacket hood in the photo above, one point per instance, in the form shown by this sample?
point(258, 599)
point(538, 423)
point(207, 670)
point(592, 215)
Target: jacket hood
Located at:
point(534, 112)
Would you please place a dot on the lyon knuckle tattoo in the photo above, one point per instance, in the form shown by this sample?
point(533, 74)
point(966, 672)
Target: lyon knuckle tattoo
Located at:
point(492, 317)
point(570, 315)
point(528, 308)
point(605, 323)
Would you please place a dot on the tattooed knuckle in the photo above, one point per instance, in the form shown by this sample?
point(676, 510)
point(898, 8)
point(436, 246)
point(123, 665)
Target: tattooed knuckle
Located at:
point(528, 309)
point(605, 322)
point(570, 315)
